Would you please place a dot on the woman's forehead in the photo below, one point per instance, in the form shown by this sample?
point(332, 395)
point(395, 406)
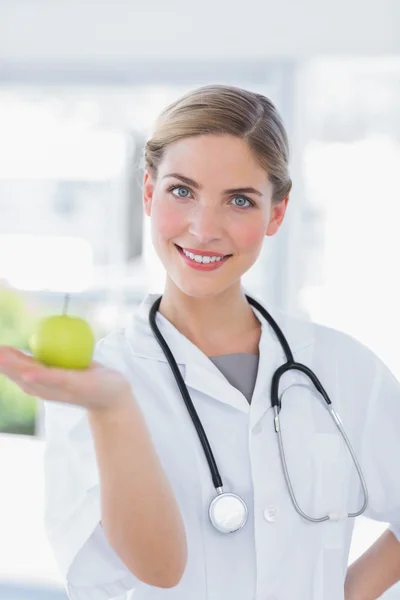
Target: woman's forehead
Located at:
point(215, 157)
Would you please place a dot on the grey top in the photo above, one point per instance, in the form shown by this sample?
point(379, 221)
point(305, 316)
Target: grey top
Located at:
point(240, 370)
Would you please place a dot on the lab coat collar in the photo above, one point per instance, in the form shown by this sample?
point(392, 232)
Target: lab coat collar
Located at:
point(199, 371)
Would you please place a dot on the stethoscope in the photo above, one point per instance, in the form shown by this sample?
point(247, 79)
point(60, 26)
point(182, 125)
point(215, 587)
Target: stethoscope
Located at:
point(228, 512)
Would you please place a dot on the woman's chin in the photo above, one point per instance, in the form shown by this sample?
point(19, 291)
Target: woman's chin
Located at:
point(201, 289)
point(196, 291)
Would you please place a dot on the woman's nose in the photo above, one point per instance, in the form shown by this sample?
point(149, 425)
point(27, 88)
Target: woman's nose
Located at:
point(205, 224)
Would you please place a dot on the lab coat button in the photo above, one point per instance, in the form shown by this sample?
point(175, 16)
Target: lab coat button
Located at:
point(257, 428)
point(270, 513)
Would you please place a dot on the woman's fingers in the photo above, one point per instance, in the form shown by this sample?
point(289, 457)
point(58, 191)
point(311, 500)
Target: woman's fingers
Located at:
point(47, 383)
point(11, 358)
point(16, 364)
point(33, 377)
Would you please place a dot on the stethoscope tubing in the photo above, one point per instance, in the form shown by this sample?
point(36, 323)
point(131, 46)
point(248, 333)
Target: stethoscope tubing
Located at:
point(275, 402)
point(216, 477)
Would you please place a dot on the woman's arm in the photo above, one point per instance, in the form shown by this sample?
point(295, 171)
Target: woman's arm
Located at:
point(375, 571)
point(139, 514)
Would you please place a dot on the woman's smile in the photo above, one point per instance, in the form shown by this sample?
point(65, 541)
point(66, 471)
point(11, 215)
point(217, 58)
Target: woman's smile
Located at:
point(204, 260)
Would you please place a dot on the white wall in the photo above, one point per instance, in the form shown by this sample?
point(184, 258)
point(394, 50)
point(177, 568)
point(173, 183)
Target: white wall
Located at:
point(111, 31)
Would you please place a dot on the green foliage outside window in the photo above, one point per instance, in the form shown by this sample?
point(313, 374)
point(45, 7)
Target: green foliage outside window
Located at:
point(17, 409)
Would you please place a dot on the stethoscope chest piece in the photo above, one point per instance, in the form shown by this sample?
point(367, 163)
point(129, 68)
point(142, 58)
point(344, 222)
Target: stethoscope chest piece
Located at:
point(228, 512)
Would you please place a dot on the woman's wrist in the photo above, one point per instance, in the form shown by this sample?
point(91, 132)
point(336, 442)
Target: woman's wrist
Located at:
point(116, 409)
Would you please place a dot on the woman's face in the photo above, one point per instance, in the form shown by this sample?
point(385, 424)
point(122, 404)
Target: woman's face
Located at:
point(211, 200)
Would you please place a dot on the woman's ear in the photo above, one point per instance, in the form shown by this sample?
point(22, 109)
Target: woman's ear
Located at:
point(148, 190)
point(278, 213)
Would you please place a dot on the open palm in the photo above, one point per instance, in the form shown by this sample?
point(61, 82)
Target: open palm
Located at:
point(96, 387)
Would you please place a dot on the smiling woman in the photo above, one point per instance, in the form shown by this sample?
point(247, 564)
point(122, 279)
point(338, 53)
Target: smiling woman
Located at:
point(130, 502)
point(216, 183)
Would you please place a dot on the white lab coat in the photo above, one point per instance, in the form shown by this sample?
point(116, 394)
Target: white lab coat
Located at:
point(277, 555)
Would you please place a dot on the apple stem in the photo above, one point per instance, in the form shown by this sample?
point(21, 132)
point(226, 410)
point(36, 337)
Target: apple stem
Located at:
point(66, 300)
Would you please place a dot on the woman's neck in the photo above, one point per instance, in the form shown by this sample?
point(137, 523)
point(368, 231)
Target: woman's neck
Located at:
point(221, 324)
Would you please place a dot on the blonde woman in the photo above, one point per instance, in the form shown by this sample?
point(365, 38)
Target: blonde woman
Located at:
point(201, 456)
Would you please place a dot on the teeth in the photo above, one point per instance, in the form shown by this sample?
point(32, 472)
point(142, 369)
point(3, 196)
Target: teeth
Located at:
point(202, 259)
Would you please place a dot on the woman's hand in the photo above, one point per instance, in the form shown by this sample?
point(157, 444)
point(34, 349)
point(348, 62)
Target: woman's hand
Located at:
point(95, 388)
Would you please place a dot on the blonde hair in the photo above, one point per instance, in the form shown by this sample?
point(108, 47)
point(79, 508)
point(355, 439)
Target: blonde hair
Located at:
point(222, 109)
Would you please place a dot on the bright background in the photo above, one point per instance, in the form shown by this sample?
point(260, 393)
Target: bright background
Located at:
point(80, 86)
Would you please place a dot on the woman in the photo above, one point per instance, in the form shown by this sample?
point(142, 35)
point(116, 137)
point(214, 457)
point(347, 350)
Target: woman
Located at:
point(131, 489)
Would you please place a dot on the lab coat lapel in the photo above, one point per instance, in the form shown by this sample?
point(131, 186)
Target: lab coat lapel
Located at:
point(204, 377)
point(199, 372)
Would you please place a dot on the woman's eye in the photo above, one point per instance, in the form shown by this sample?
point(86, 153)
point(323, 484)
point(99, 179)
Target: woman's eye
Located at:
point(242, 201)
point(180, 191)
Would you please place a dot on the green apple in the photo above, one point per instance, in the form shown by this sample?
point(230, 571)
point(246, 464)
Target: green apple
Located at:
point(63, 341)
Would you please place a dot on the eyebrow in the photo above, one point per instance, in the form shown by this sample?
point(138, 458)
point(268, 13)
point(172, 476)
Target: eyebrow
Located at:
point(197, 186)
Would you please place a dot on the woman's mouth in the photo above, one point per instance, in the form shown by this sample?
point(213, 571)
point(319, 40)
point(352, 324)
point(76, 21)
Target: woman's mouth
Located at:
point(205, 261)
